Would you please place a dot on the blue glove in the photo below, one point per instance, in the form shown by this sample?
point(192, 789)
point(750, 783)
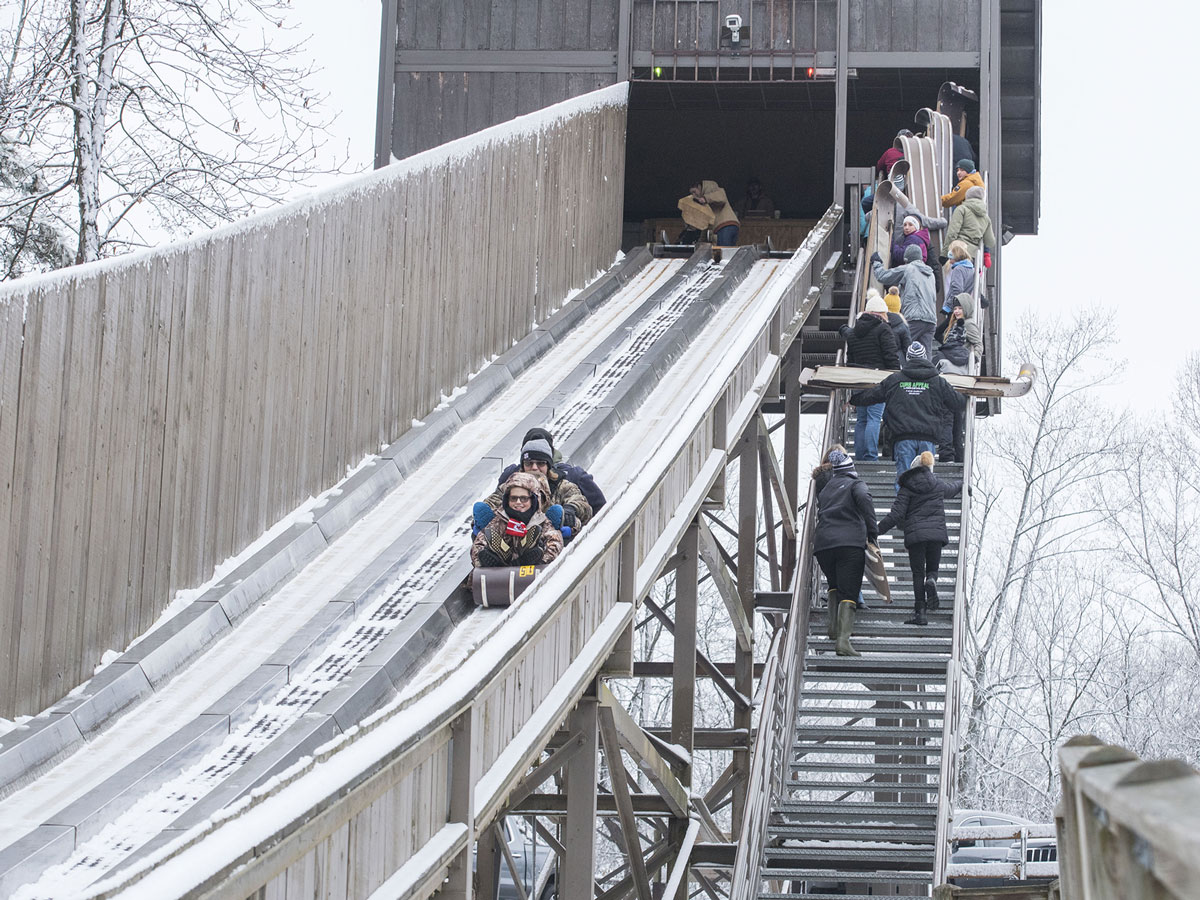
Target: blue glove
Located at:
point(567, 534)
point(555, 515)
point(481, 514)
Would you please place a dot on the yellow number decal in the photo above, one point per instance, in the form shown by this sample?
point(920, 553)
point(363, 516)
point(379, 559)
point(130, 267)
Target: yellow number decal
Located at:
point(525, 570)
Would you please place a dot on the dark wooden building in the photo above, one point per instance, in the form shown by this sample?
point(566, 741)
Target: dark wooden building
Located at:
point(810, 89)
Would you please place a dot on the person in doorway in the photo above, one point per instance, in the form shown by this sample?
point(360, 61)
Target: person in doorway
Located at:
point(519, 533)
point(698, 216)
point(918, 293)
point(845, 525)
point(920, 509)
point(967, 177)
point(920, 402)
point(755, 204)
point(870, 345)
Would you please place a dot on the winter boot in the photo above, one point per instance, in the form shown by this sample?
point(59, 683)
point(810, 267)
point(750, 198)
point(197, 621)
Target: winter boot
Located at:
point(918, 617)
point(931, 595)
point(845, 622)
point(832, 624)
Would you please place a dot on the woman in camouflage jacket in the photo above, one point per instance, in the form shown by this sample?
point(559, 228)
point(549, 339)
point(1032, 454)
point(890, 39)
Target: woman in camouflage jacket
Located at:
point(519, 534)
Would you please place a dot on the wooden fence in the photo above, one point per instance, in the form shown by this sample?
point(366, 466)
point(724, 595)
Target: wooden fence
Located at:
point(158, 413)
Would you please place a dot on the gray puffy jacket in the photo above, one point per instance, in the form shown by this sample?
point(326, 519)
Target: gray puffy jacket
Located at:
point(918, 290)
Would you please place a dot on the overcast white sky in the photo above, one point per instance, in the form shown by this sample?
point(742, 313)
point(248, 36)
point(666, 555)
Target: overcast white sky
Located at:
point(1117, 138)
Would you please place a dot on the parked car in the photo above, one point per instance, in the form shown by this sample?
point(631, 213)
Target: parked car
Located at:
point(968, 851)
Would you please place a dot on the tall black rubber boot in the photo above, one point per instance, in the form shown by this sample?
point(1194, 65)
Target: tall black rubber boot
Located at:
point(932, 601)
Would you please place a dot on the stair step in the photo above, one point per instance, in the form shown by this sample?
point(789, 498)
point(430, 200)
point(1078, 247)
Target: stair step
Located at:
point(870, 643)
point(898, 859)
point(867, 768)
point(863, 787)
point(870, 696)
point(935, 630)
point(867, 712)
point(819, 892)
point(881, 677)
point(859, 811)
point(835, 748)
point(859, 830)
point(824, 876)
point(873, 733)
point(880, 666)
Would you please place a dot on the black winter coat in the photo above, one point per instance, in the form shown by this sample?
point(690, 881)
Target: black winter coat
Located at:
point(900, 331)
point(871, 343)
point(920, 402)
point(845, 514)
point(578, 476)
point(920, 507)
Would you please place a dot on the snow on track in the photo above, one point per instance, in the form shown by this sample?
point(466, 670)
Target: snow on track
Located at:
point(157, 810)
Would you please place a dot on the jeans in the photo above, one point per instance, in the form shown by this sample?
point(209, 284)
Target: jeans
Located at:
point(905, 452)
point(727, 235)
point(866, 431)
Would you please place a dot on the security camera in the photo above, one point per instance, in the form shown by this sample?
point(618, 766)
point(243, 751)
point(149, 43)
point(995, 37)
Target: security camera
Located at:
point(733, 22)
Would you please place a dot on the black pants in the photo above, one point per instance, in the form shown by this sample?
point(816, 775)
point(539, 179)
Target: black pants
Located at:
point(957, 449)
point(924, 558)
point(843, 568)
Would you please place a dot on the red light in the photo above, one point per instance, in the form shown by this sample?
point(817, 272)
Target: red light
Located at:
point(810, 71)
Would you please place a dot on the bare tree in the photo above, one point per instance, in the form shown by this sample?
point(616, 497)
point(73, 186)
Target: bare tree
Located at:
point(1034, 508)
point(1156, 515)
point(136, 117)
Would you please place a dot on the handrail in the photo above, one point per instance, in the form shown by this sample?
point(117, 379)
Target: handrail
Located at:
point(547, 649)
point(1127, 828)
point(783, 674)
point(951, 705)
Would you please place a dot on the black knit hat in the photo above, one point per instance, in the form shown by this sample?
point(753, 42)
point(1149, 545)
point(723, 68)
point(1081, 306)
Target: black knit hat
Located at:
point(534, 434)
point(916, 350)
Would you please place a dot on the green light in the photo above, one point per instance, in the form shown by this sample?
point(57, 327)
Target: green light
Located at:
point(658, 71)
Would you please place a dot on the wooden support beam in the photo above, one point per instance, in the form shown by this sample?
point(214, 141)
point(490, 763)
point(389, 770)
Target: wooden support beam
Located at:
point(559, 850)
point(791, 449)
point(667, 669)
point(544, 770)
point(463, 774)
point(768, 512)
point(726, 588)
point(623, 888)
point(554, 805)
point(709, 829)
point(743, 679)
point(620, 788)
point(715, 855)
point(740, 701)
point(513, 869)
point(639, 745)
point(579, 832)
point(774, 474)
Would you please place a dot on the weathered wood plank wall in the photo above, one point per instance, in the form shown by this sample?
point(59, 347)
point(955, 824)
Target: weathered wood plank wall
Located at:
point(158, 413)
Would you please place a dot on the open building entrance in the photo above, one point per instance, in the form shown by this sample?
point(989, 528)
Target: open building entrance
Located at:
point(782, 133)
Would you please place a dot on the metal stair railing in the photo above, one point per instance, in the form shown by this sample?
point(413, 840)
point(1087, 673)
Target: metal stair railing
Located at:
point(952, 707)
point(783, 673)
